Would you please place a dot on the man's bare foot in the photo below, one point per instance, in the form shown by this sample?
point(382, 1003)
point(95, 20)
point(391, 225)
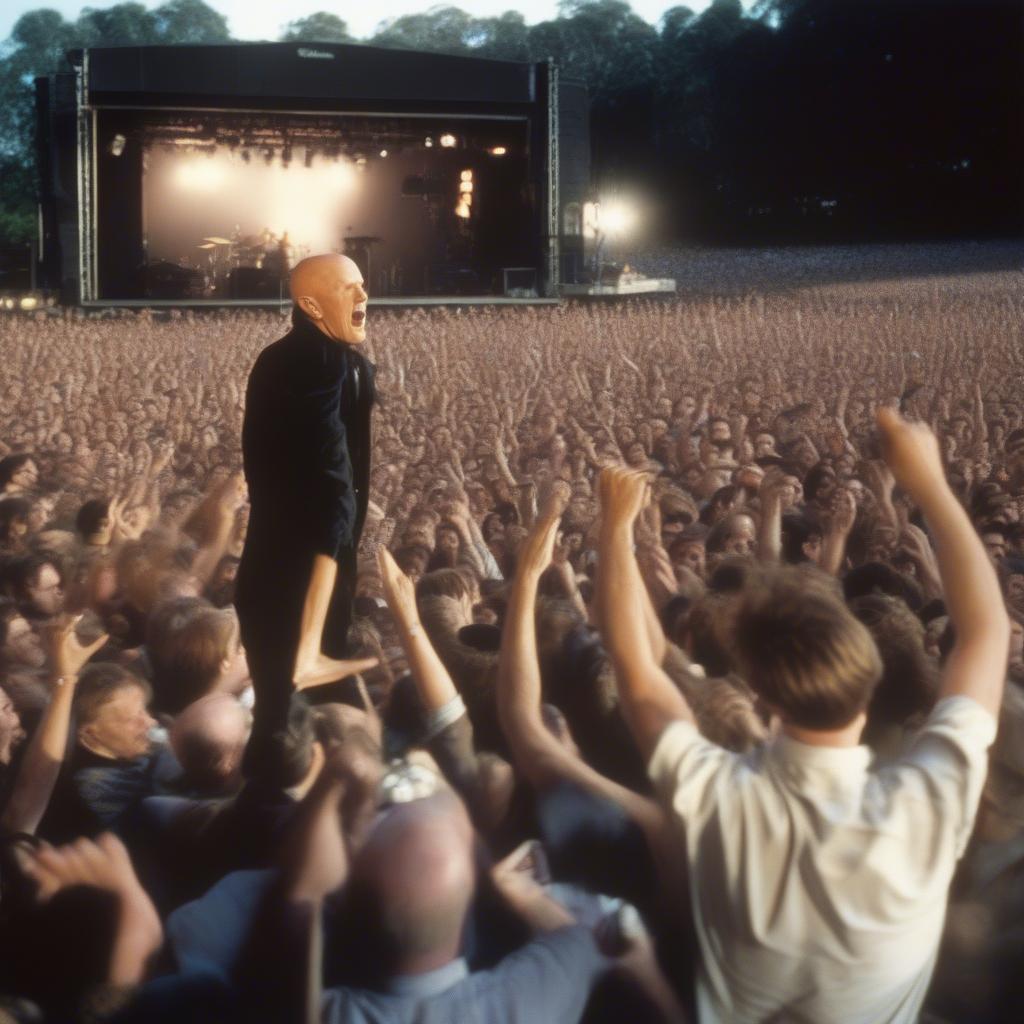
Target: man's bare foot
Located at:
point(329, 670)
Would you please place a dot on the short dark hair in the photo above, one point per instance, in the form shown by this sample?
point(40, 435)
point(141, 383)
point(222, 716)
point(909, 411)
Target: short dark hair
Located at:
point(11, 464)
point(11, 510)
point(797, 530)
point(24, 572)
point(87, 521)
point(816, 476)
point(877, 577)
point(730, 575)
point(909, 678)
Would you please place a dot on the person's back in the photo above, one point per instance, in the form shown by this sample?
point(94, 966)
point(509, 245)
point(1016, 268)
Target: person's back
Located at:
point(548, 980)
point(819, 884)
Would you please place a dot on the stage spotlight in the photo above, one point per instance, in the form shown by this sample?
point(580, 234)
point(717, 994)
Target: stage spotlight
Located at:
point(497, 151)
point(29, 302)
point(617, 217)
point(8, 303)
point(447, 141)
point(116, 145)
point(462, 209)
point(428, 142)
point(384, 152)
point(466, 175)
point(360, 160)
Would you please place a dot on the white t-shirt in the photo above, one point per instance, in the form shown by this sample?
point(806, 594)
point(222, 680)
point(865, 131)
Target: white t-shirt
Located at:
point(819, 883)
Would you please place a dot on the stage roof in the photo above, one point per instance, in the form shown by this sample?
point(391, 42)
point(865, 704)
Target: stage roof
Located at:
point(313, 76)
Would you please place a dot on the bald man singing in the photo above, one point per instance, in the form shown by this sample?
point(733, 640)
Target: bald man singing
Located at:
point(306, 452)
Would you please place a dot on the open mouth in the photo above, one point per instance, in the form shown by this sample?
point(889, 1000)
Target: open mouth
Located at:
point(359, 318)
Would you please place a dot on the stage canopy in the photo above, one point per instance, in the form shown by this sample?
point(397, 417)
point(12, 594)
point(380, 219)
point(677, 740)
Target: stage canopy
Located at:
point(201, 174)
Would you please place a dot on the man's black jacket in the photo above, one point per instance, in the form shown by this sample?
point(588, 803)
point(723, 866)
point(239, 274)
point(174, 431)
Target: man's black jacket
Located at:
point(306, 453)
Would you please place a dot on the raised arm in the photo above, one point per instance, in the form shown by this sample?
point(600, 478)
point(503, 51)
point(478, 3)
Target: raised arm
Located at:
point(976, 667)
point(433, 681)
point(216, 517)
point(649, 699)
point(42, 762)
point(769, 532)
point(840, 523)
point(538, 755)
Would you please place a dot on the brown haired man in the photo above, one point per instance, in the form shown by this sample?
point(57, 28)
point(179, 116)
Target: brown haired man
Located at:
point(819, 883)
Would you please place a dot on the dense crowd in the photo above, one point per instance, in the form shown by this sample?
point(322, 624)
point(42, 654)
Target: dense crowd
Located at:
point(505, 818)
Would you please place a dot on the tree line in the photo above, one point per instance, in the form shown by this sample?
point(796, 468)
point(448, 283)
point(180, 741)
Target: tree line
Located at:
point(797, 119)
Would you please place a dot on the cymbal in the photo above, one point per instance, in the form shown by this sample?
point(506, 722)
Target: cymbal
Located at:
point(218, 241)
point(208, 245)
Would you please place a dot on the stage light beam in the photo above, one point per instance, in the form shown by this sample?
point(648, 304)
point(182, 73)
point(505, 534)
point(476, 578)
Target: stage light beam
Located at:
point(203, 175)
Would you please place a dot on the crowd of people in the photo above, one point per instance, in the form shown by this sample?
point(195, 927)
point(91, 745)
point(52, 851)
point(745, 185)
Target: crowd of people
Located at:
point(646, 594)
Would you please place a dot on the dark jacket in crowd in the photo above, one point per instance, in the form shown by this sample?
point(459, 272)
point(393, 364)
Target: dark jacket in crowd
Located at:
point(96, 793)
point(306, 453)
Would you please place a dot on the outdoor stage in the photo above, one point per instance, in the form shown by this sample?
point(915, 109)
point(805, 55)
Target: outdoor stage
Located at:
point(198, 176)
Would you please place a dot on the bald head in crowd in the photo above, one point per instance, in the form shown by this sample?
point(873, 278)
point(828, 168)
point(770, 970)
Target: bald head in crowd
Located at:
point(416, 869)
point(329, 291)
point(208, 738)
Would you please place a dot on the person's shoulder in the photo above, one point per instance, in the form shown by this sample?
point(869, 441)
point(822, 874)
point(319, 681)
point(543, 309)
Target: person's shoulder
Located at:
point(548, 978)
point(937, 781)
point(559, 952)
point(275, 353)
point(960, 721)
point(683, 740)
point(696, 777)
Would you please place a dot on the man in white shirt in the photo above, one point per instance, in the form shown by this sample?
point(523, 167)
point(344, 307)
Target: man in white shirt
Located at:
point(819, 885)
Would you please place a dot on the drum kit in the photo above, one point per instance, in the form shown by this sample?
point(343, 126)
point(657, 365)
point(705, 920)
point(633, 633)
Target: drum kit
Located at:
point(268, 252)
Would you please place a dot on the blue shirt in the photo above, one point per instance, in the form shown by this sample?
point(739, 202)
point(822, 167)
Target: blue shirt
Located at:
point(548, 981)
